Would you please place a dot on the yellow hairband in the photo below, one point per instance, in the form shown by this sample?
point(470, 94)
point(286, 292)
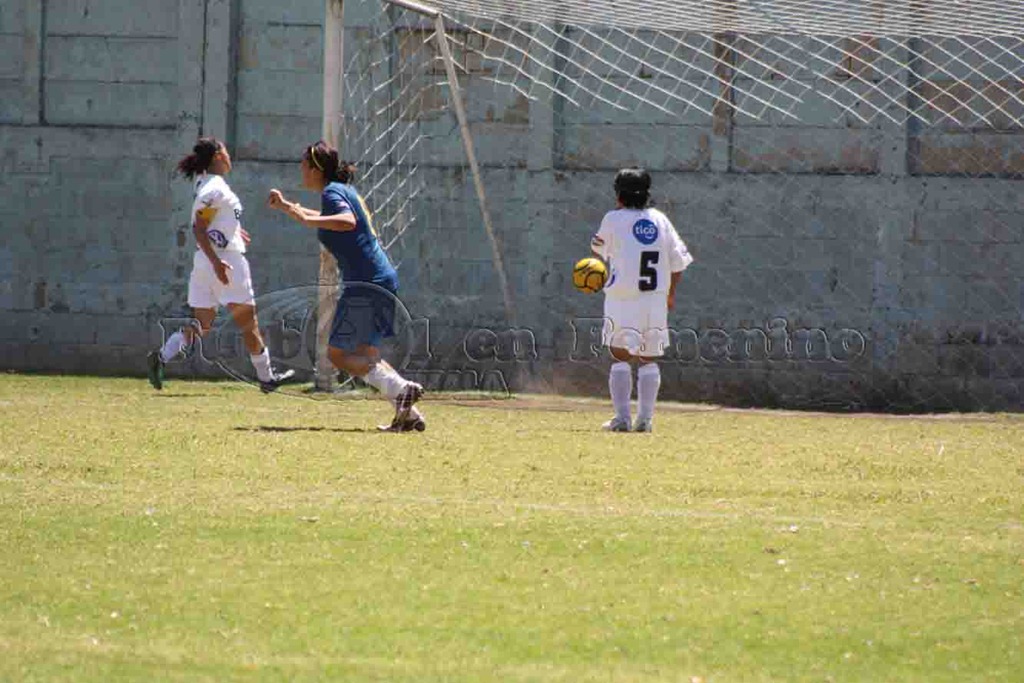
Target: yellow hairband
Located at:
point(312, 155)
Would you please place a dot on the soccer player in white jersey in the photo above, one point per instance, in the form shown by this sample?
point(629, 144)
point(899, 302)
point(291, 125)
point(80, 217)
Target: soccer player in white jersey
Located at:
point(646, 259)
point(220, 272)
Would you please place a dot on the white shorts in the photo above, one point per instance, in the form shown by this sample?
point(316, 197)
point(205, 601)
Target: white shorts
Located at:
point(206, 291)
point(638, 324)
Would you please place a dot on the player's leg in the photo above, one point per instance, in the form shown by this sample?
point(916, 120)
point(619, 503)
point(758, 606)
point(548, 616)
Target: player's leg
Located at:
point(361, 320)
point(349, 347)
point(648, 375)
point(202, 297)
point(407, 416)
point(204, 318)
point(620, 387)
point(364, 361)
point(622, 341)
point(348, 360)
point(245, 318)
point(240, 300)
point(648, 382)
point(381, 324)
point(178, 342)
point(175, 344)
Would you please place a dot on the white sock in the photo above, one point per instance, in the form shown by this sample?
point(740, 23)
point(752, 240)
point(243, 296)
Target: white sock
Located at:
point(173, 346)
point(648, 381)
point(620, 386)
point(384, 379)
point(261, 361)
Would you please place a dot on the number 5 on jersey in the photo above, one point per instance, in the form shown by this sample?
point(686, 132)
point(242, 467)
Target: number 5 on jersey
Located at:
point(648, 272)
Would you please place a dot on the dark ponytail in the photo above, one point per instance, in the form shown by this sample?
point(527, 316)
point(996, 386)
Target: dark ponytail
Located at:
point(324, 158)
point(201, 157)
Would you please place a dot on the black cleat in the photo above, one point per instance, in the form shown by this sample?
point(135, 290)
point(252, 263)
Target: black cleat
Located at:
point(415, 423)
point(277, 379)
point(405, 401)
point(155, 368)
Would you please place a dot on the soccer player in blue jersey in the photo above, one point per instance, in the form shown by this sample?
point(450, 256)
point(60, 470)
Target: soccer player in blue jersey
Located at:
point(366, 308)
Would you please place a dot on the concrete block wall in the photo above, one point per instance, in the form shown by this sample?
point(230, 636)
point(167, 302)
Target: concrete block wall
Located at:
point(99, 102)
point(840, 264)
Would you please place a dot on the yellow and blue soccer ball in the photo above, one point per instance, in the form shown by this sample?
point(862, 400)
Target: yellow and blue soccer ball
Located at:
point(589, 275)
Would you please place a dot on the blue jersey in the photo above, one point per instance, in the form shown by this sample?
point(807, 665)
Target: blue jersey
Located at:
point(358, 252)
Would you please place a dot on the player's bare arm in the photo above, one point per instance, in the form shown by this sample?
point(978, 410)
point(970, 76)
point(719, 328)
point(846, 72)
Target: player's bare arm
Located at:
point(276, 200)
point(673, 283)
point(308, 217)
point(344, 222)
point(200, 223)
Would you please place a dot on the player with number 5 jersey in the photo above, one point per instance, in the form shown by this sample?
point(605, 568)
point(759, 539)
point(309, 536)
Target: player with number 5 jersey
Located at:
point(646, 258)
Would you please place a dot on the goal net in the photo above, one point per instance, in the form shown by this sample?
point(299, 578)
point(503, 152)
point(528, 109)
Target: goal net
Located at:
point(846, 173)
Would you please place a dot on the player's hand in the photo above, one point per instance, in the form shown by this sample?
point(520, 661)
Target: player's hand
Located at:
point(275, 200)
point(246, 237)
point(220, 269)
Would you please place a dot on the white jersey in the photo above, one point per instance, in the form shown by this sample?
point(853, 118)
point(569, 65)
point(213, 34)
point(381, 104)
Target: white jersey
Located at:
point(643, 249)
point(214, 197)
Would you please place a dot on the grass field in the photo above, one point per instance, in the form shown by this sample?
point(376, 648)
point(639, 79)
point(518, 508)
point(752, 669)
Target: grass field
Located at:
point(210, 533)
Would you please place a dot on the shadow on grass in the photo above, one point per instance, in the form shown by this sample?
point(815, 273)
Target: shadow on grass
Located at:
point(344, 430)
point(171, 394)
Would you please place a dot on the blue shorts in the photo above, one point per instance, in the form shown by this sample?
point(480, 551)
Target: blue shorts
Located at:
point(365, 314)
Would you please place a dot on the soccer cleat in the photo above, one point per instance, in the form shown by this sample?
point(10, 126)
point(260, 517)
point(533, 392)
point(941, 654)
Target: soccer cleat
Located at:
point(643, 424)
point(616, 424)
point(414, 423)
point(405, 401)
point(155, 368)
point(276, 380)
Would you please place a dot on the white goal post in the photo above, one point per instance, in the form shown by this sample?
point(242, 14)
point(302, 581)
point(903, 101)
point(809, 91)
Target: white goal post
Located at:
point(333, 125)
point(333, 114)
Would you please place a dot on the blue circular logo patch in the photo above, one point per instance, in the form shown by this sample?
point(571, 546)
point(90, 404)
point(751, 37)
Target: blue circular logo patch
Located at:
point(645, 231)
point(218, 238)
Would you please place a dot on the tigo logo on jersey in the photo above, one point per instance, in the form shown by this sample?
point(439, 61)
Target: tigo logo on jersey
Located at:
point(645, 231)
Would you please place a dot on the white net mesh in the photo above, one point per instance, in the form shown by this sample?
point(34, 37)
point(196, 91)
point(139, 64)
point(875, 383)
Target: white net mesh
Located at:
point(824, 17)
point(847, 174)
